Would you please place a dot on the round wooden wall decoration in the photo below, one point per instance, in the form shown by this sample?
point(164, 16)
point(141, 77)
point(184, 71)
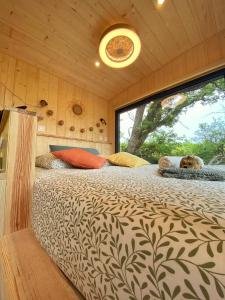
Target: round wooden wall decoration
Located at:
point(40, 118)
point(82, 130)
point(61, 123)
point(50, 113)
point(72, 128)
point(43, 103)
point(77, 109)
point(91, 128)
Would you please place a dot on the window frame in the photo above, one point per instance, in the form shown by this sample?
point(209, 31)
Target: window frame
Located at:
point(163, 94)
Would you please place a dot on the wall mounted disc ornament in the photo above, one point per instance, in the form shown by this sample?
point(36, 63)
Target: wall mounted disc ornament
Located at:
point(60, 122)
point(50, 112)
point(77, 109)
point(43, 103)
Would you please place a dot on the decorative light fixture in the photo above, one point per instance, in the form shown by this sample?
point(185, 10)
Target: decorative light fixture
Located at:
point(173, 101)
point(119, 46)
point(97, 63)
point(160, 2)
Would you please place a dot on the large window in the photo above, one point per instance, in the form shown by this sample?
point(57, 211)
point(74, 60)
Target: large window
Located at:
point(189, 119)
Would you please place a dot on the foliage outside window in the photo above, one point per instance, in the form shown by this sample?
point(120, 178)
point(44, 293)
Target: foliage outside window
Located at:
point(195, 126)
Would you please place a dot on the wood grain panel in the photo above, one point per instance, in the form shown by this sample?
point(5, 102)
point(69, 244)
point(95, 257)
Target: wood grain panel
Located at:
point(2, 203)
point(32, 84)
point(201, 59)
point(43, 142)
point(63, 36)
point(19, 133)
point(28, 273)
point(22, 171)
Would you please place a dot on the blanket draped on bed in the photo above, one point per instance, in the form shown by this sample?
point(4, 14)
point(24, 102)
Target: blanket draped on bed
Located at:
point(209, 174)
point(120, 233)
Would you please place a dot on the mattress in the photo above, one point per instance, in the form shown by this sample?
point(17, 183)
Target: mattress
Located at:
point(120, 233)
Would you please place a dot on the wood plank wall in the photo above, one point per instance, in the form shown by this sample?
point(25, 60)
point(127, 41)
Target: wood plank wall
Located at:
point(32, 84)
point(43, 143)
point(2, 208)
point(201, 59)
point(18, 132)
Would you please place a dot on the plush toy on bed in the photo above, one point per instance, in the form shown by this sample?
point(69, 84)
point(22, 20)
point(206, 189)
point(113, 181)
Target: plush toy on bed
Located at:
point(191, 162)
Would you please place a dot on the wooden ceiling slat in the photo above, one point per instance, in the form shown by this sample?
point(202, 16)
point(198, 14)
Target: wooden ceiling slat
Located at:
point(156, 24)
point(57, 41)
point(150, 41)
point(175, 26)
point(63, 35)
point(203, 10)
point(219, 11)
point(21, 38)
point(131, 78)
point(62, 50)
point(189, 20)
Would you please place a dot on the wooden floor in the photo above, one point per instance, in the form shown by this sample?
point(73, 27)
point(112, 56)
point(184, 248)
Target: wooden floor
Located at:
point(27, 272)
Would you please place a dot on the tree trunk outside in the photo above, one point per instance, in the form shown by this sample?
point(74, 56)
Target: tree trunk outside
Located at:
point(135, 139)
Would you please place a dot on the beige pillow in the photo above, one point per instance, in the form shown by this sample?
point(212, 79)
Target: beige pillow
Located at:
point(49, 161)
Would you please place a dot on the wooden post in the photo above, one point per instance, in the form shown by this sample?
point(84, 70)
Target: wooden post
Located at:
point(17, 152)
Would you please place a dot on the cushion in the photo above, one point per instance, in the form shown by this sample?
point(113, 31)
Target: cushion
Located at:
point(208, 174)
point(49, 161)
point(80, 158)
point(170, 161)
point(126, 159)
point(59, 148)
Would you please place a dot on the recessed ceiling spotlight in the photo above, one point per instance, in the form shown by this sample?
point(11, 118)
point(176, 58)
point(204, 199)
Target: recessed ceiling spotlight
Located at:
point(97, 64)
point(160, 2)
point(120, 46)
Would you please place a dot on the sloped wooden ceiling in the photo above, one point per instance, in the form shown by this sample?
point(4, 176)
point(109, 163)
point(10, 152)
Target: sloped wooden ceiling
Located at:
point(62, 36)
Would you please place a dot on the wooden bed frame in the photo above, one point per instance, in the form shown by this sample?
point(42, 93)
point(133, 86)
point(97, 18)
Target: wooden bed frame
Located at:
point(17, 152)
point(44, 140)
point(26, 271)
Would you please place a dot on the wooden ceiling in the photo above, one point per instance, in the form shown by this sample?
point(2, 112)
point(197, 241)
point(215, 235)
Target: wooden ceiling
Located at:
point(62, 36)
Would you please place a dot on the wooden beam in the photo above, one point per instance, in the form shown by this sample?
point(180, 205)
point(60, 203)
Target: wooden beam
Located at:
point(17, 153)
point(28, 273)
point(72, 139)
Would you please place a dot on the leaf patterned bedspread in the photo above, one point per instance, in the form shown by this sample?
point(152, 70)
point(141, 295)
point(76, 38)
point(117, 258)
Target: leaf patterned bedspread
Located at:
point(120, 233)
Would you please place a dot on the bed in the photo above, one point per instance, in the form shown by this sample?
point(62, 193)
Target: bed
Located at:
point(120, 233)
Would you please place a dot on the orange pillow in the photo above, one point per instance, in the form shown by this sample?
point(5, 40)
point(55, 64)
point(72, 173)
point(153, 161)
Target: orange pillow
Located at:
point(80, 158)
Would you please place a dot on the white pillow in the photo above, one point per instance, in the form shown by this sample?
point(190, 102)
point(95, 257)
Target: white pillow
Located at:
point(170, 161)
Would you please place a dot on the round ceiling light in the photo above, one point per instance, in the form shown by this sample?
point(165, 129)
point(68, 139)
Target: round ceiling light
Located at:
point(119, 46)
point(173, 101)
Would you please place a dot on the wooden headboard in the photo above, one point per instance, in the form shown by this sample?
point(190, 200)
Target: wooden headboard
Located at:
point(44, 140)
